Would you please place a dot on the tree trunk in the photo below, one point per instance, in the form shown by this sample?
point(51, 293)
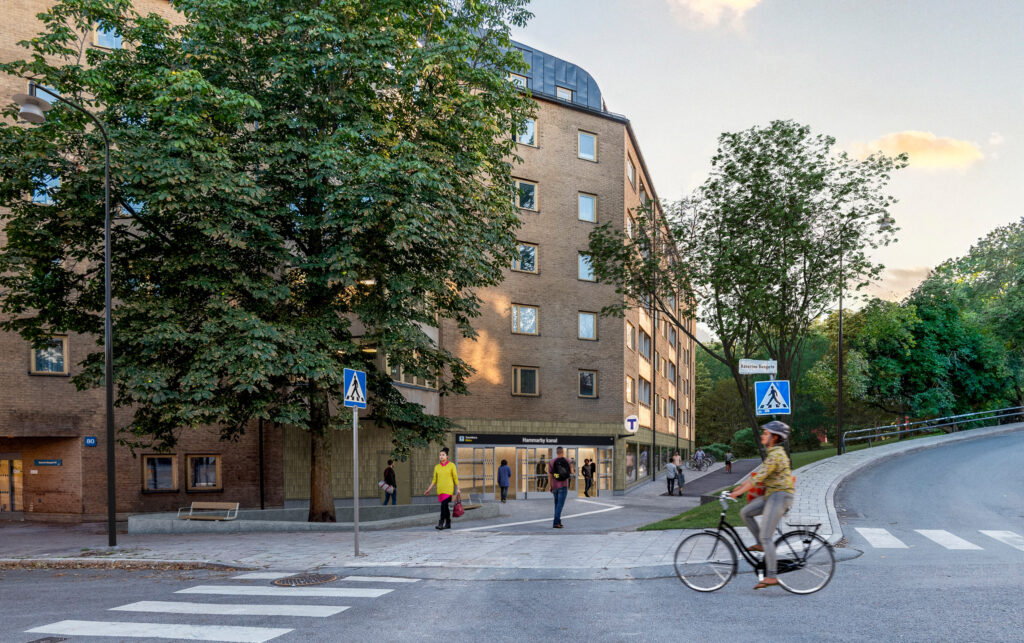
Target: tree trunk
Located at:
point(321, 494)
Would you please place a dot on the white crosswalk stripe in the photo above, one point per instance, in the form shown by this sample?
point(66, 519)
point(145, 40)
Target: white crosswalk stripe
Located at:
point(173, 607)
point(264, 575)
point(946, 539)
point(1007, 537)
point(231, 633)
point(880, 538)
point(381, 579)
point(292, 592)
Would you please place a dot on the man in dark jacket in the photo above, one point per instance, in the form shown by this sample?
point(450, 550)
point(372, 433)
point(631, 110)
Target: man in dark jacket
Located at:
point(389, 479)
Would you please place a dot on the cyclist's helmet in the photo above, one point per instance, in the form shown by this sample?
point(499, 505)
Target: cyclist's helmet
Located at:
point(780, 429)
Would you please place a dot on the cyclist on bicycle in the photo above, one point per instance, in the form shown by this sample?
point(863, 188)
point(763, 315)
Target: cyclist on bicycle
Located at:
point(777, 477)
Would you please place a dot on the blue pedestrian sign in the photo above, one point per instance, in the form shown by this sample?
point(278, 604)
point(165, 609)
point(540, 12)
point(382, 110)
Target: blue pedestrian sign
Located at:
point(355, 388)
point(772, 397)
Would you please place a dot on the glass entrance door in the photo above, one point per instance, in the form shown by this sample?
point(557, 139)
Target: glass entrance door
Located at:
point(11, 486)
point(476, 470)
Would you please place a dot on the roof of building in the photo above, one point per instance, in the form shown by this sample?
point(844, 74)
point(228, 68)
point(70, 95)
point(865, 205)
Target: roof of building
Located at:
point(546, 72)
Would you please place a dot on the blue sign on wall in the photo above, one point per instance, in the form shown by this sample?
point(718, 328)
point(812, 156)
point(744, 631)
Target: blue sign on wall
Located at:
point(90, 441)
point(49, 463)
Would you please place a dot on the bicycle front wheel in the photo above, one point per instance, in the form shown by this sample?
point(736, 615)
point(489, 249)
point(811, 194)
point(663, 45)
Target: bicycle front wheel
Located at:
point(705, 561)
point(805, 562)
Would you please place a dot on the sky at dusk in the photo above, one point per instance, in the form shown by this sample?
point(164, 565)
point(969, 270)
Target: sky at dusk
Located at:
point(942, 80)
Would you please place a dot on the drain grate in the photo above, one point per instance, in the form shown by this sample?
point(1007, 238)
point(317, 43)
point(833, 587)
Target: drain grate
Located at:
point(302, 580)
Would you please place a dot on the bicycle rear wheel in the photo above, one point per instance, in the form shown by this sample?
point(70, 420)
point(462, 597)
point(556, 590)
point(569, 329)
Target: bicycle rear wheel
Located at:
point(705, 561)
point(805, 562)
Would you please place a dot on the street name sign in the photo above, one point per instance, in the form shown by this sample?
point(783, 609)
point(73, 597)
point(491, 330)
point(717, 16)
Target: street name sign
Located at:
point(758, 367)
point(772, 397)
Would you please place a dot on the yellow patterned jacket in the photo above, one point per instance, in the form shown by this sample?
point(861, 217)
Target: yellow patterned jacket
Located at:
point(775, 473)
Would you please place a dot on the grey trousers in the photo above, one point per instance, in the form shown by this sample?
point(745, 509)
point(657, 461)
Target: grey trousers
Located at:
point(770, 508)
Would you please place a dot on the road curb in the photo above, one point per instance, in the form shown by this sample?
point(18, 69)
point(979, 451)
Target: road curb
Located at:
point(116, 563)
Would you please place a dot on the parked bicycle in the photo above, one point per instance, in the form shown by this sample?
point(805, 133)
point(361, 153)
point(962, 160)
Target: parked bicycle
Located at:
point(694, 464)
point(706, 561)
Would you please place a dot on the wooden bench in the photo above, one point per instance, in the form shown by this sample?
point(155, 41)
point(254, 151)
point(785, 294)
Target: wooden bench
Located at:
point(209, 511)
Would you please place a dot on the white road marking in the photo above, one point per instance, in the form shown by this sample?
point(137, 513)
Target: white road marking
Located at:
point(1008, 537)
point(231, 633)
point(171, 607)
point(946, 539)
point(326, 592)
point(880, 538)
point(380, 579)
point(264, 575)
point(564, 516)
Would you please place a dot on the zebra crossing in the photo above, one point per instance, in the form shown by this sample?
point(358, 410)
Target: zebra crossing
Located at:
point(880, 538)
point(345, 588)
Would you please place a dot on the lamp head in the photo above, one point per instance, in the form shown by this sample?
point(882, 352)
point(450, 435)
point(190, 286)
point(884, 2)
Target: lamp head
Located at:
point(33, 108)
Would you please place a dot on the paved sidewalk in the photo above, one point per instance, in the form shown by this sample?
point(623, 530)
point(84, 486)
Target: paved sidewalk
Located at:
point(490, 549)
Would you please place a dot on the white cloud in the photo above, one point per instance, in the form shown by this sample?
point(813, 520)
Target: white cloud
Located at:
point(995, 138)
point(896, 283)
point(712, 12)
point(925, 150)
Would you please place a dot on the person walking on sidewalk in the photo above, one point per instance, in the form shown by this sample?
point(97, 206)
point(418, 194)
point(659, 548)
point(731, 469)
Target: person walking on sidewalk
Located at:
point(777, 477)
point(559, 473)
point(389, 479)
point(588, 476)
point(670, 476)
point(680, 479)
point(728, 461)
point(447, 480)
point(504, 473)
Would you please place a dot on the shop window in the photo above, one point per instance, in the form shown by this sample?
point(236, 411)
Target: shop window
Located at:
point(527, 259)
point(517, 80)
point(630, 390)
point(108, 38)
point(527, 134)
point(631, 460)
point(524, 319)
point(526, 194)
point(204, 473)
point(562, 93)
point(44, 191)
point(525, 380)
point(586, 207)
point(159, 473)
point(630, 336)
point(588, 325)
point(645, 392)
point(51, 359)
point(585, 269)
point(587, 149)
point(588, 384)
point(645, 345)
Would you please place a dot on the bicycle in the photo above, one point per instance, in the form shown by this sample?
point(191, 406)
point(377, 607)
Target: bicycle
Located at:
point(706, 561)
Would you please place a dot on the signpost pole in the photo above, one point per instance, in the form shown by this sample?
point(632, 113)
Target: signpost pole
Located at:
point(355, 477)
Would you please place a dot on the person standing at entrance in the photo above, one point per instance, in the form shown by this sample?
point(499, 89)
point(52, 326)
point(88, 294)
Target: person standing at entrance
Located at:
point(588, 477)
point(389, 479)
point(559, 473)
point(670, 476)
point(542, 479)
point(447, 481)
point(504, 473)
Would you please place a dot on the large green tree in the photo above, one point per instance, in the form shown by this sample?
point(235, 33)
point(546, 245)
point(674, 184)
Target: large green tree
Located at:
point(304, 182)
point(759, 251)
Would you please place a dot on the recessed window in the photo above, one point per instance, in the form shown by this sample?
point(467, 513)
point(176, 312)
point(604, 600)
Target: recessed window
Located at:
point(204, 473)
point(630, 336)
point(524, 319)
point(630, 390)
point(630, 226)
point(587, 207)
point(45, 188)
point(108, 38)
point(51, 359)
point(631, 172)
point(588, 384)
point(527, 134)
point(671, 336)
point(526, 194)
point(585, 269)
point(587, 146)
point(671, 408)
point(645, 345)
point(159, 473)
point(563, 93)
point(588, 325)
point(670, 371)
point(517, 80)
point(643, 194)
point(524, 380)
point(400, 374)
point(645, 392)
point(526, 261)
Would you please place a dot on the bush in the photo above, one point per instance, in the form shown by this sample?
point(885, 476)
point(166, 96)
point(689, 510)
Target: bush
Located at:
point(744, 444)
point(717, 450)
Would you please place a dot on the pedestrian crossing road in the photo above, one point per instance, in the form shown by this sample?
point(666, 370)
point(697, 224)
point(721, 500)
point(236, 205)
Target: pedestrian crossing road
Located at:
point(317, 602)
point(982, 539)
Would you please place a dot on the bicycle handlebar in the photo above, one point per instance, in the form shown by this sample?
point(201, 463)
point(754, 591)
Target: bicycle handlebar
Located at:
point(724, 499)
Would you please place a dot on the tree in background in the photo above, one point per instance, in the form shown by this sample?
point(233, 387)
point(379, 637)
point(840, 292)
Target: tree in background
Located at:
point(755, 251)
point(308, 182)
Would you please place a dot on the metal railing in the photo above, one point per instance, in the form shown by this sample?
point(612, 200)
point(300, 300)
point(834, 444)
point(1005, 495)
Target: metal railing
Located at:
point(921, 426)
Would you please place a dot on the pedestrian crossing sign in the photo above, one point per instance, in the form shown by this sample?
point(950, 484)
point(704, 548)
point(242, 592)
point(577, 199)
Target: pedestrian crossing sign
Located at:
point(355, 388)
point(772, 397)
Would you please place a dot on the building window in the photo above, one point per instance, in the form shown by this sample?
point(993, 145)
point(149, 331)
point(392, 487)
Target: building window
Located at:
point(524, 319)
point(671, 408)
point(587, 207)
point(526, 194)
point(159, 473)
point(631, 172)
point(204, 473)
point(584, 269)
point(630, 226)
point(671, 336)
point(517, 80)
point(108, 38)
point(588, 325)
point(645, 392)
point(630, 390)
point(588, 384)
point(643, 194)
point(399, 374)
point(670, 372)
point(51, 359)
point(527, 259)
point(561, 93)
point(524, 381)
point(43, 193)
point(527, 134)
point(645, 345)
point(587, 146)
point(630, 336)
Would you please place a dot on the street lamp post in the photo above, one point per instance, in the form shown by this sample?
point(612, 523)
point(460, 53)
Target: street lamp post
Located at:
point(33, 110)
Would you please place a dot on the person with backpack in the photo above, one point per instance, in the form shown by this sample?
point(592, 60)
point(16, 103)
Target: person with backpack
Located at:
point(559, 474)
